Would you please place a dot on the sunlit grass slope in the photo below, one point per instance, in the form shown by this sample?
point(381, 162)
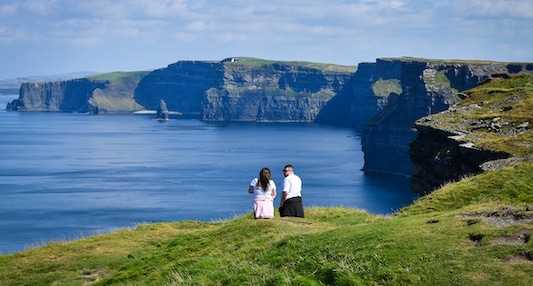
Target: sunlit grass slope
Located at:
point(118, 96)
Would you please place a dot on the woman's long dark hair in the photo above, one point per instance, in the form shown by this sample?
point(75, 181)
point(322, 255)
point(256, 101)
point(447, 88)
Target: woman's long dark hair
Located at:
point(264, 179)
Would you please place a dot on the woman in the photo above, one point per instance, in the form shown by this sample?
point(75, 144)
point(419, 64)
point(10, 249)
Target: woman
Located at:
point(264, 190)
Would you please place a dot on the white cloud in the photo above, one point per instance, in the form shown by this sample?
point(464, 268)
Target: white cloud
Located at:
point(185, 37)
point(496, 8)
point(199, 26)
point(338, 31)
point(158, 8)
point(84, 41)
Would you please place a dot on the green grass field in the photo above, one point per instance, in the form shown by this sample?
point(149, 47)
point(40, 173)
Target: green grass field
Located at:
point(475, 232)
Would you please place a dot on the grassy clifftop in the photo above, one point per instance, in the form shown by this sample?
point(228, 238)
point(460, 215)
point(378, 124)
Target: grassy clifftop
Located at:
point(118, 76)
point(118, 96)
point(474, 232)
point(444, 61)
point(495, 116)
point(255, 62)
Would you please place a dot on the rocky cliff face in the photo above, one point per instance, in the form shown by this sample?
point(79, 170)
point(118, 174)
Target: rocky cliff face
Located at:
point(438, 158)
point(408, 89)
point(280, 92)
point(241, 89)
point(355, 103)
point(96, 95)
point(68, 96)
point(489, 129)
point(181, 86)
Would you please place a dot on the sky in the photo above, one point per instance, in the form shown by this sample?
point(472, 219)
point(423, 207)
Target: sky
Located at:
point(46, 37)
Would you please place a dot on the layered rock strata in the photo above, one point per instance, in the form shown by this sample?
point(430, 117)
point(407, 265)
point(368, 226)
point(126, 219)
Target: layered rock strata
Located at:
point(281, 92)
point(67, 96)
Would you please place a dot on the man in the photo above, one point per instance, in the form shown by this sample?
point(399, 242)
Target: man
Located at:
point(291, 196)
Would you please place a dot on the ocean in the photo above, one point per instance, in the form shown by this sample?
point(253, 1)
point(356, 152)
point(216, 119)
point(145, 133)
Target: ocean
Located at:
point(67, 176)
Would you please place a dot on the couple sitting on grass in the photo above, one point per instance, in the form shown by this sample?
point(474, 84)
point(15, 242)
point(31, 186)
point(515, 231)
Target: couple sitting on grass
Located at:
point(264, 190)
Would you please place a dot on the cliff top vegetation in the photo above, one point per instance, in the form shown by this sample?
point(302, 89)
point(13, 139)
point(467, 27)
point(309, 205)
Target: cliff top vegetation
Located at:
point(118, 75)
point(495, 116)
point(255, 62)
point(117, 97)
point(444, 61)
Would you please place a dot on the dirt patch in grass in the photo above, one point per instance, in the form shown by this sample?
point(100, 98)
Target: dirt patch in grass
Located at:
point(503, 217)
point(521, 237)
point(301, 223)
point(526, 257)
point(507, 221)
point(93, 275)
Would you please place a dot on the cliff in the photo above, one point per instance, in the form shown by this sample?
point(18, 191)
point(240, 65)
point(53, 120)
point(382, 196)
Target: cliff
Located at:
point(235, 89)
point(181, 86)
point(243, 89)
point(254, 90)
point(355, 103)
point(488, 130)
point(69, 96)
point(402, 91)
point(103, 93)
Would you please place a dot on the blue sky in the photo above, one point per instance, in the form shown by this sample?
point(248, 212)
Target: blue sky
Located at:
point(43, 37)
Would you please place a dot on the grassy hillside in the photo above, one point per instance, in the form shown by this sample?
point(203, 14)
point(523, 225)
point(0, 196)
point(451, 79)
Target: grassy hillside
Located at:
point(118, 96)
point(474, 232)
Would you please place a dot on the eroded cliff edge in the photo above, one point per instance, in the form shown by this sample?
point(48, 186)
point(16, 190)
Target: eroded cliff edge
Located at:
point(490, 129)
point(404, 90)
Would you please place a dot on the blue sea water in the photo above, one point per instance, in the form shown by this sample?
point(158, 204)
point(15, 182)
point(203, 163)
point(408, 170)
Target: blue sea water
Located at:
point(66, 176)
